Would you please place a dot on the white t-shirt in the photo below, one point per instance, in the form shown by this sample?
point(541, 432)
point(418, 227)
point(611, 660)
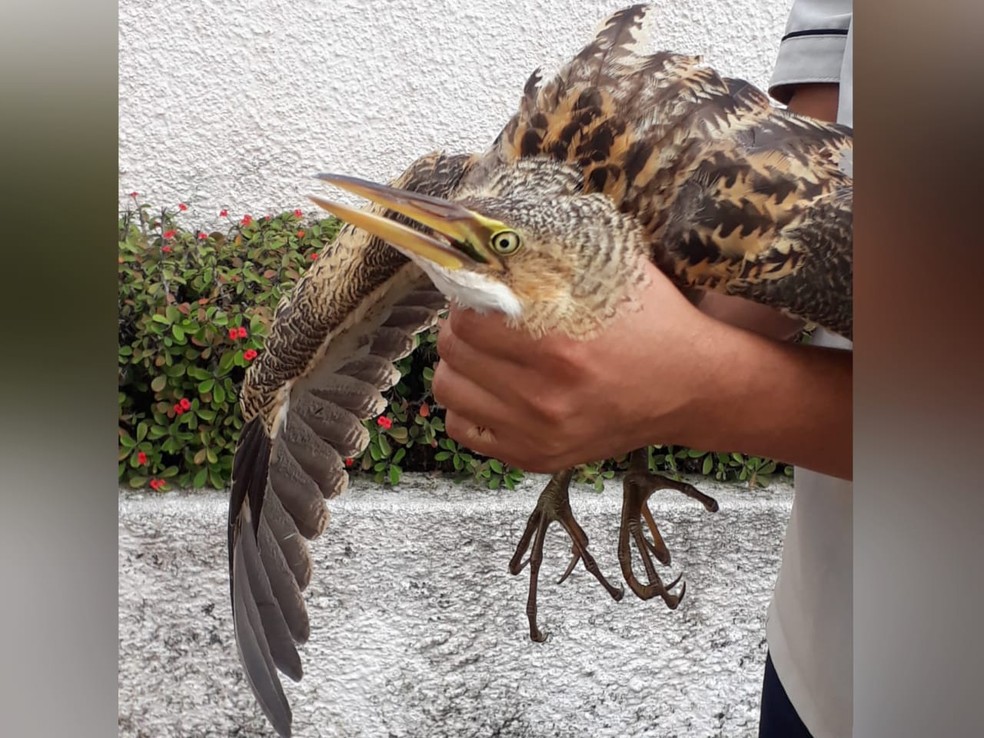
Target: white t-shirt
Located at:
point(810, 622)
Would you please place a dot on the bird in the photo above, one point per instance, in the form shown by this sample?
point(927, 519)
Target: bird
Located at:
point(624, 157)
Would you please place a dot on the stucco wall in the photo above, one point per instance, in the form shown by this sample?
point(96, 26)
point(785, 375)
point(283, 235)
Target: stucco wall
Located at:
point(417, 628)
point(236, 103)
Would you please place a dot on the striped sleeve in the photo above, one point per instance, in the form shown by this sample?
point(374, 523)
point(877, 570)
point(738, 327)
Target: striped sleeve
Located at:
point(812, 50)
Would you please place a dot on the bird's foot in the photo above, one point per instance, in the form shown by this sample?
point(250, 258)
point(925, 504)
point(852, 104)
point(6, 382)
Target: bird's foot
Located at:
point(638, 485)
point(554, 505)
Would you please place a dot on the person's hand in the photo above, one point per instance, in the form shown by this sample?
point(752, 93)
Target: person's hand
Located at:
point(547, 404)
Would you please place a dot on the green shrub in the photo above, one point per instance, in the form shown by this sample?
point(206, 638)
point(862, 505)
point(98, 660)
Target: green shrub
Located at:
point(194, 309)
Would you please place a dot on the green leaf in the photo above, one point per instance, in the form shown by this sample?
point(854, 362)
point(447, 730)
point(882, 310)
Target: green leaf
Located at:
point(394, 474)
point(206, 386)
point(227, 361)
point(708, 465)
point(495, 465)
point(158, 383)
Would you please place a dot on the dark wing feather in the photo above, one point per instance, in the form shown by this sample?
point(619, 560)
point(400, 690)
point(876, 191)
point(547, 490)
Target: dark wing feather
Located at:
point(327, 361)
point(736, 195)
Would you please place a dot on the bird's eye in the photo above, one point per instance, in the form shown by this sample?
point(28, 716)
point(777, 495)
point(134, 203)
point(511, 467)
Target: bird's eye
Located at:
point(505, 242)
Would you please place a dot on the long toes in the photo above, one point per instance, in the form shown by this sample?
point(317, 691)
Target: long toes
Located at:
point(662, 554)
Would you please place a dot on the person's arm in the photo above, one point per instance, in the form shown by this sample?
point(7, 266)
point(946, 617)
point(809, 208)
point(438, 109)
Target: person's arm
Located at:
point(665, 374)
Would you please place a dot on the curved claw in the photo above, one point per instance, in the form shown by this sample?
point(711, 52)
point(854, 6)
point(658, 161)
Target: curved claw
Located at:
point(638, 485)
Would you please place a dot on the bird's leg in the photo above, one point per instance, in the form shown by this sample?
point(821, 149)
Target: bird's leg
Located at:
point(638, 485)
point(554, 505)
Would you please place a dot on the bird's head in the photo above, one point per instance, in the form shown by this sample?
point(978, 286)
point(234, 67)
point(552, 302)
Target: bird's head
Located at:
point(547, 258)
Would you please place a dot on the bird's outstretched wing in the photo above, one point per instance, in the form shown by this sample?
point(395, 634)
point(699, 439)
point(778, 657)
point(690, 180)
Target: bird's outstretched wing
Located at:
point(328, 358)
point(737, 195)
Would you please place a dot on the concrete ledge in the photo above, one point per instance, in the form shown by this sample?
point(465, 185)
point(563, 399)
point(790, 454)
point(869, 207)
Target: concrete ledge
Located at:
point(417, 629)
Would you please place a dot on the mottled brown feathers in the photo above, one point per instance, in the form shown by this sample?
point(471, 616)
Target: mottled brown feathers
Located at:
point(730, 193)
point(735, 195)
point(328, 357)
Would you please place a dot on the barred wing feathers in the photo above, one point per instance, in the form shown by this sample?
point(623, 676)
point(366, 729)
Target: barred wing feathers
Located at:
point(327, 361)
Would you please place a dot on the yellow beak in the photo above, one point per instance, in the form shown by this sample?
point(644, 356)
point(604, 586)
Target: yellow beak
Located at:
point(467, 232)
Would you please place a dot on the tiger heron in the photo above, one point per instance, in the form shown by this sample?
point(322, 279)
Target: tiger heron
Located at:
point(622, 157)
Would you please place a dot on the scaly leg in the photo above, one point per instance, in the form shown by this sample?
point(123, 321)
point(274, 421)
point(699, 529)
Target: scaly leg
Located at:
point(554, 505)
point(638, 485)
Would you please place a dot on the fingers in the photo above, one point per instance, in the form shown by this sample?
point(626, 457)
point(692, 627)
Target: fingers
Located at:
point(490, 336)
point(464, 398)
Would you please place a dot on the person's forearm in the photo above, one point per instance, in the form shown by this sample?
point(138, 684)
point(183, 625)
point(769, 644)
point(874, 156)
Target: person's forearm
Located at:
point(749, 315)
point(792, 403)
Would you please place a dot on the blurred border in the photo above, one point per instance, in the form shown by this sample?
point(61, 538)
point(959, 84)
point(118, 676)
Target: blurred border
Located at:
point(58, 531)
point(919, 400)
point(919, 425)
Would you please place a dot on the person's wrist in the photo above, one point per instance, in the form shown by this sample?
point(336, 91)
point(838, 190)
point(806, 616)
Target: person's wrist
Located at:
point(684, 407)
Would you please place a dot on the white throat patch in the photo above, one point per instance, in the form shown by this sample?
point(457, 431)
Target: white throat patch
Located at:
point(473, 290)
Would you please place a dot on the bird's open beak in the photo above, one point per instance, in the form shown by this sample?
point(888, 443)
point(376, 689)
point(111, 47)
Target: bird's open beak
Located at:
point(467, 232)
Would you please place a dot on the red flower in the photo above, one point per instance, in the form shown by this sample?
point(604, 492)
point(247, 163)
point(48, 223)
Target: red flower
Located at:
point(178, 410)
point(233, 333)
point(314, 256)
point(170, 234)
point(185, 403)
point(241, 332)
point(157, 484)
point(267, 218)
point(133, 195)
point(349, 462)
point(223, 213)
point(300, 234)
point(141, 458)
point(182, 207)
point(166, 249)
point(383, 422)
point(247, 219)
point(298, 213)
point(202, 235)
point(249, 354)
point(424, 410)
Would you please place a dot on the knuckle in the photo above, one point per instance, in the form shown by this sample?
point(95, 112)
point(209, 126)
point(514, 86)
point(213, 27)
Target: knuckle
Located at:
point(439, 384)
point(446, 342)
point(552, 408)
point(454, 426)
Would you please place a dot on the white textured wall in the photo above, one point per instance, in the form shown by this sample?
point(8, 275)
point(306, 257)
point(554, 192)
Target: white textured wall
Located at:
point(236, 103)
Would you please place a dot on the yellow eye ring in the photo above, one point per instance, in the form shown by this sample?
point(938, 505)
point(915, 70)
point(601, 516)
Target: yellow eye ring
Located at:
point(505, 242)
